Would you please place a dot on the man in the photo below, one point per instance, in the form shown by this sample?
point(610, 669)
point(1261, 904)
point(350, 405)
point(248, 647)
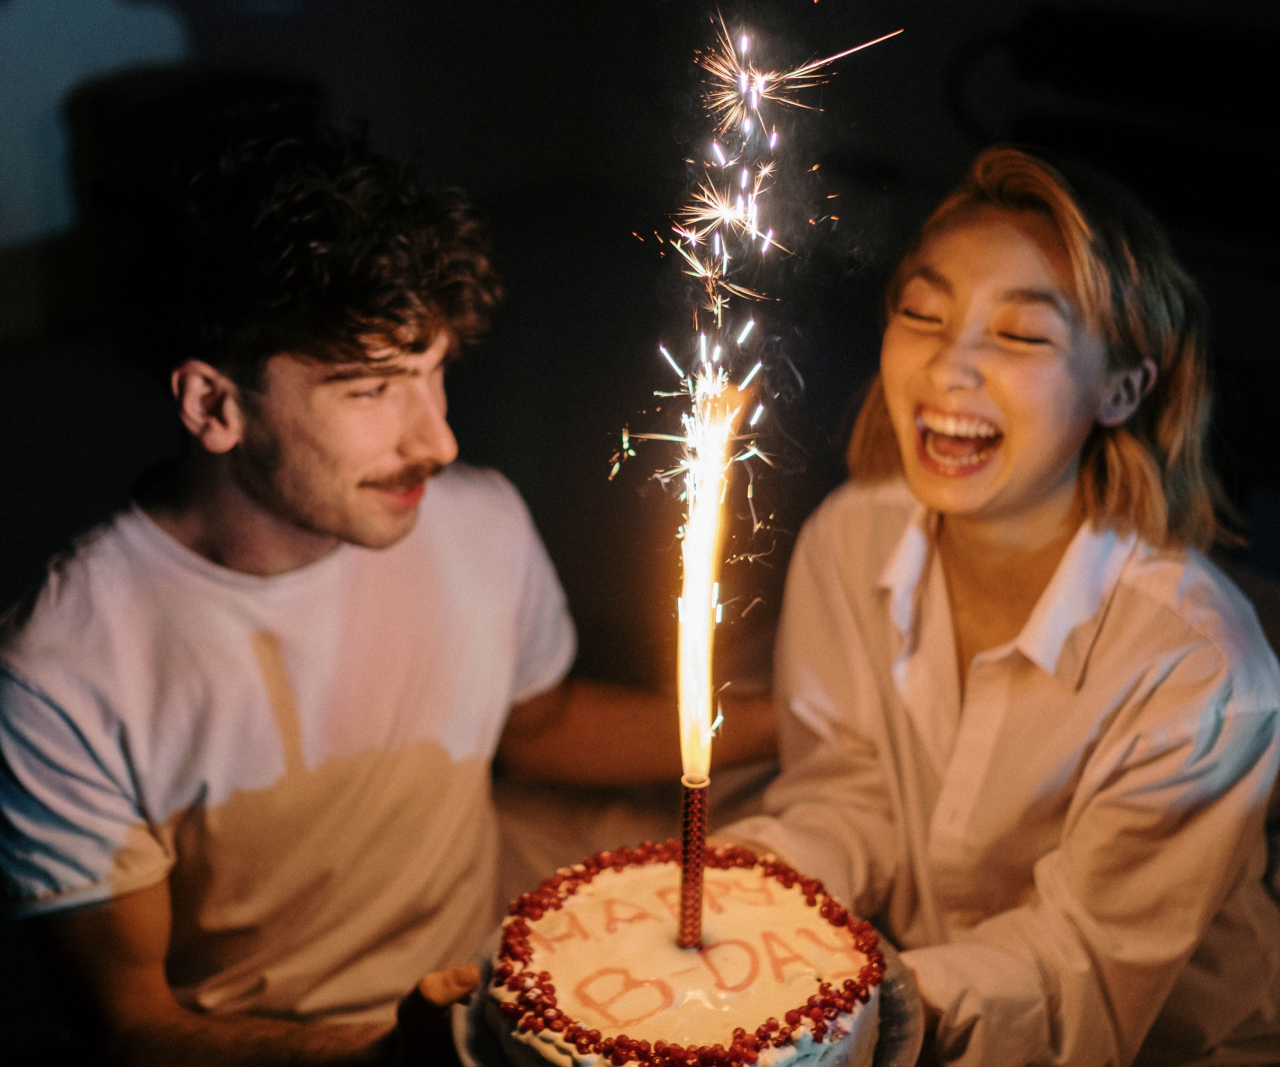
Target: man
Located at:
point(246, 728)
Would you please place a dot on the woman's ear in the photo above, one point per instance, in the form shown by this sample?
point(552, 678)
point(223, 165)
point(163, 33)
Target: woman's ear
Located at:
point(1124, 391)
point(208, 405)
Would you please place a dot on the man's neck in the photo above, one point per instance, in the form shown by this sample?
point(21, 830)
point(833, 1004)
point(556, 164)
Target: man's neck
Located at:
point(206, 509)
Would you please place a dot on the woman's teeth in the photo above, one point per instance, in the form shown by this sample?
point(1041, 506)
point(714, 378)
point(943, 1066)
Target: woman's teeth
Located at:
point(957, 441)
point(956, 425)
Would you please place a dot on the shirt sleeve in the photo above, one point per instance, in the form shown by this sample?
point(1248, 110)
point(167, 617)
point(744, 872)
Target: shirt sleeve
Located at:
point(1161, 828)
point(828, 813)
point(546, 639)
point(71, 832)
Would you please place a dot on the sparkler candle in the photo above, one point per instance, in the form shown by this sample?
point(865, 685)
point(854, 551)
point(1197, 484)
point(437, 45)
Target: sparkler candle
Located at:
point(693, 843)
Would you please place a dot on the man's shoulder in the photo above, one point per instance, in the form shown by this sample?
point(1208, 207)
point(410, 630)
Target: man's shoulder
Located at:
point(98, 566)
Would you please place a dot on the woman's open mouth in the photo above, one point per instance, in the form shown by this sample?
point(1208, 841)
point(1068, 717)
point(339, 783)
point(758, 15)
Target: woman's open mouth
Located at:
point(955, 445)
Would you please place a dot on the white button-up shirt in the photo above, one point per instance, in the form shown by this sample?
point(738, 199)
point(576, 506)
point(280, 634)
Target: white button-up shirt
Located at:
point(1073, 855)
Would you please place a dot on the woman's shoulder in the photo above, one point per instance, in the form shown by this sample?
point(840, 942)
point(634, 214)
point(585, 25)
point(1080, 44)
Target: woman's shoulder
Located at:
point(1188, 594)
point(858, 526)
point(860, 508)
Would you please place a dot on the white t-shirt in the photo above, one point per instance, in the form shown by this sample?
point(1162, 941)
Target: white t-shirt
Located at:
point(1072, 853)
point(305, 756)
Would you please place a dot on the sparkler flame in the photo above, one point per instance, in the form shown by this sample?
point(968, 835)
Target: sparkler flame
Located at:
point(735, 95)
point(709, 433)
point(721, 209)
point(738, 87)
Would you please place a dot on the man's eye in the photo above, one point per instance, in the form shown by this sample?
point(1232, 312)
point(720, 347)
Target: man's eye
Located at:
point(372, 391)
point(918, 316)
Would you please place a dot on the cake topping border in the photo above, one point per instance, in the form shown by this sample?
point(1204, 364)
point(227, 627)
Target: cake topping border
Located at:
point(535, 1009)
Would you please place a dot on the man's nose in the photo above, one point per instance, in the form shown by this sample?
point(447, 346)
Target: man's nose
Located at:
point(428, 435)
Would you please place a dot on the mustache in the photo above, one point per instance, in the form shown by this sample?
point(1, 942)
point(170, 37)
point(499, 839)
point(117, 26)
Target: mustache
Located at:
point(403, 481)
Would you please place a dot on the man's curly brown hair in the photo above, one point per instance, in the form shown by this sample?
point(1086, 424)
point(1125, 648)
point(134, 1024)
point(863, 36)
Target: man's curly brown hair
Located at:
point(296, 238)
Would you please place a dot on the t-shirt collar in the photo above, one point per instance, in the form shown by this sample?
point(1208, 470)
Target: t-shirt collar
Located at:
point(1083, 581)
point(140, 527)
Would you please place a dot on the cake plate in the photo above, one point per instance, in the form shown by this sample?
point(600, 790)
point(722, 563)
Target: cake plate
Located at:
point(901, 1015)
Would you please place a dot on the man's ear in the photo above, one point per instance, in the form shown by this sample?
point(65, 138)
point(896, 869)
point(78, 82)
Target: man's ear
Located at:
point(1124, 392)
point(208, 405)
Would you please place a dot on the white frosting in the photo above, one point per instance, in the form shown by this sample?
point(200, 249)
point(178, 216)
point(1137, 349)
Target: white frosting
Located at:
point(616, 968)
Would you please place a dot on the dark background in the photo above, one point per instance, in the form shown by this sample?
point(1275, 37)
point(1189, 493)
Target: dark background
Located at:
point(568, 122)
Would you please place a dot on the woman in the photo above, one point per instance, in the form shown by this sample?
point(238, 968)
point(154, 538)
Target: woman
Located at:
point(1025, 724)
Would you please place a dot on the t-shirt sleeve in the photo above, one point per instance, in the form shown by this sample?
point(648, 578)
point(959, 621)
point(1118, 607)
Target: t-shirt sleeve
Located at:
point(546, 639)
point(71, 832)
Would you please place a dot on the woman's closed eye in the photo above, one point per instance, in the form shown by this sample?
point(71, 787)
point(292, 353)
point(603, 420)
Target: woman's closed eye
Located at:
point(1030, 325)
point(918, 316)
point(922, 303)
point(371, 391)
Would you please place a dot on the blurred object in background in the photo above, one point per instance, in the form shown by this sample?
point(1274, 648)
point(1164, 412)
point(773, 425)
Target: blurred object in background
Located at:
point(47, 49)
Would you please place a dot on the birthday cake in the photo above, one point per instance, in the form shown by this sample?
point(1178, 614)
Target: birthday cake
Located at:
point(588, 970)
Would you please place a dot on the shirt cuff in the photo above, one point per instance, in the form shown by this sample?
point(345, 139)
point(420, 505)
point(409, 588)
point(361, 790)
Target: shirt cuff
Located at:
point(990, 1005)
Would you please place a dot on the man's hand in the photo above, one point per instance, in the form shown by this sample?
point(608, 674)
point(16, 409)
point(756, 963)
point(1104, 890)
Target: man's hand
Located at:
point(424, 1024)
point(444, 987)
point(592, 734)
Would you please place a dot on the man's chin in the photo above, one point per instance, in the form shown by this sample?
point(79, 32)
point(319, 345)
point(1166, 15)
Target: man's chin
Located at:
point(383, 534)
point(374, 525)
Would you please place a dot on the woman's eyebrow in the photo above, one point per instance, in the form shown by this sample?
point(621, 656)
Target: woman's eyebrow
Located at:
point(1039, 296)
point(928, 274)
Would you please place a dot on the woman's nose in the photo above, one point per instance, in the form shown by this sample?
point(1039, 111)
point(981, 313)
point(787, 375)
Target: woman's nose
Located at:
point(954, 364)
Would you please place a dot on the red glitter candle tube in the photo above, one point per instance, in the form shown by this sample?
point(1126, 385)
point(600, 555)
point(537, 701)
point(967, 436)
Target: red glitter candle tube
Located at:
point(693, 838)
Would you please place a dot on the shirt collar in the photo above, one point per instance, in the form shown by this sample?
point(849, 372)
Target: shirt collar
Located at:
point(1083, 581)
point(902, 573)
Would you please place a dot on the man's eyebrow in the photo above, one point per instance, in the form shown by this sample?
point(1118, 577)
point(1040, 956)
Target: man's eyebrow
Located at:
point(355, 371)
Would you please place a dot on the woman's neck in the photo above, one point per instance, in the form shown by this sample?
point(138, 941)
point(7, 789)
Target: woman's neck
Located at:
point(997, 571)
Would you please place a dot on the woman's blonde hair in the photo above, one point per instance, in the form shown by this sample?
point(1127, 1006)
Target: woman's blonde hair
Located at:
point(1152, 474)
